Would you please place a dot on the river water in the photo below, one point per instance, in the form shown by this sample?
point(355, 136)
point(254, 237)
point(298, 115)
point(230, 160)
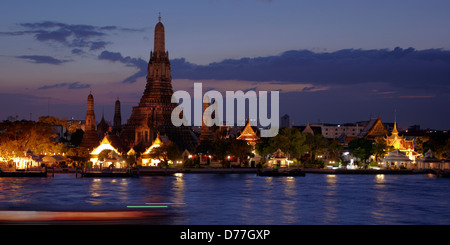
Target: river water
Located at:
point(228, 199)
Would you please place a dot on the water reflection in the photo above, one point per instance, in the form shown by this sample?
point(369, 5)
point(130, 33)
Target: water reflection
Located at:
point(178, 188)
point(330, 199)
point(230, 199)
point(379, 178)
point(123, 189)
point(268, 201)
point(289, 205)
point(94, 191)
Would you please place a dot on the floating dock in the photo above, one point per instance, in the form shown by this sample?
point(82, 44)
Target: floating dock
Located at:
point(25, 173)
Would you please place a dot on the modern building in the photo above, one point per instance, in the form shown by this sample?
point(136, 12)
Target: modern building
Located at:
point(284, 121)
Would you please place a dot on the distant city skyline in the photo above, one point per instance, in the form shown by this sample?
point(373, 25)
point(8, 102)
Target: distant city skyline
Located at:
point(333, 62)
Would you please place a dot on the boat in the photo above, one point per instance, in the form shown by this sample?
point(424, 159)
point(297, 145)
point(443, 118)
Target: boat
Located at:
point(280, 172)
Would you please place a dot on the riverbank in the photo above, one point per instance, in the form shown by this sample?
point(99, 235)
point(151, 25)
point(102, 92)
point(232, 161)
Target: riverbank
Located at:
point(149, 171)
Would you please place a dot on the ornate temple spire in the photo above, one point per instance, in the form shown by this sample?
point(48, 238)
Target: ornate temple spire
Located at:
point(117, 126)
point(90, 137)
point(395, 131)
point(159, 45)
point(153, 113)
point(90, 114)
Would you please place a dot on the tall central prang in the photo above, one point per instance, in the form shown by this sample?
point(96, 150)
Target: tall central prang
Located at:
point(158, 91)
point(153, 114)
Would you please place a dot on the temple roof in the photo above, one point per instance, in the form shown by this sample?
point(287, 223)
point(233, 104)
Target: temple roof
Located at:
point(429, 157)
point(156, 143)
point(374, 128)
point(308, 130)
point(247, 133)
point(396, 156)
point(106, 144)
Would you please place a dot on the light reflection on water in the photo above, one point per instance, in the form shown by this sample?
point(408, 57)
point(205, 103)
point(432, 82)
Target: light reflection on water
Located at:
point(229, 199)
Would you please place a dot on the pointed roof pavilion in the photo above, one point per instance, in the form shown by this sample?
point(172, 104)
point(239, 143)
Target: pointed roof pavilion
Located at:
point(106, 144)
point(248, 134)
point(156, 143)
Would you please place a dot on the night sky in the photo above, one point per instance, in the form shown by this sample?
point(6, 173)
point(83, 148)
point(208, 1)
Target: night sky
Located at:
point(332, 61)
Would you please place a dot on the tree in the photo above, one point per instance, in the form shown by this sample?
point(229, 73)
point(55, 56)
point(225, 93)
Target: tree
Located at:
point(165, 152)
point(263, 147)
point(317, 144)
point(220, 145)
point(19, 136)
point(77, 137)
point(78, 154)
point(380, 148)
point(334, 148)
point(437, 143)
point(289, 140)
point(129, 159)
point(240, 149)
point(53, 121)
point(104, 154)
point(361, 148)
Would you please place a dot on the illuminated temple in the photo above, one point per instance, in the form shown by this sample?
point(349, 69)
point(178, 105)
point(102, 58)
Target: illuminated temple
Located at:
point(149, 119)
point(152, 116)
point(400, 143)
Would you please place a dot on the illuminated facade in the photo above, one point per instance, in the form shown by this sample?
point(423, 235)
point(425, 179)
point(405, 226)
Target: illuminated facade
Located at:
point(147, 160)
point(278, 159)
point(249, 135)
point(400, 143)
point(114, 157)
point(396, 159)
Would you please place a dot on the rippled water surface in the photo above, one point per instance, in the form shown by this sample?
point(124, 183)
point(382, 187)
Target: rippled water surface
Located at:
point(228, 199)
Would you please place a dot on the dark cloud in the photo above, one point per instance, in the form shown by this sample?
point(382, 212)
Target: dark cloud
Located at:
point(74, 85)
point(77, 51)
point(421, 69)
point(73, 36)
point(140, 64)
point(98, 45)
point(42, 59)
